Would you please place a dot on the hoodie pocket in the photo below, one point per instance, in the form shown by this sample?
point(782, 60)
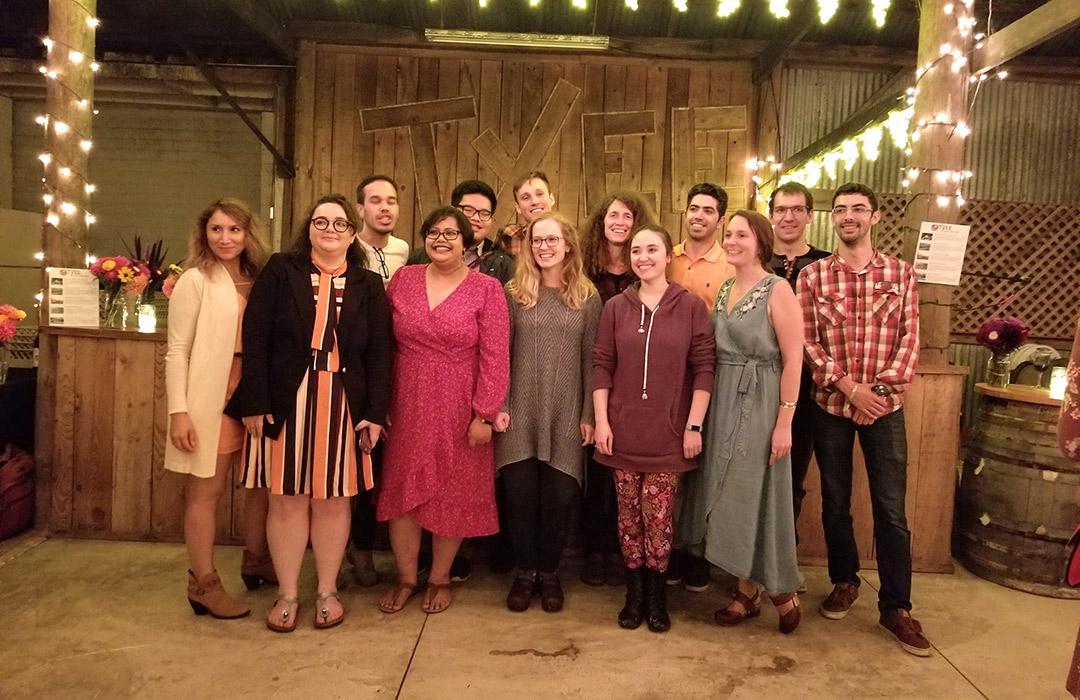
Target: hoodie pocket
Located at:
point(643, 432)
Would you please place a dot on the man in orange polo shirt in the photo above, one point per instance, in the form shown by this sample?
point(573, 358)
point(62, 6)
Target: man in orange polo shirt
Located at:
point(699, 262)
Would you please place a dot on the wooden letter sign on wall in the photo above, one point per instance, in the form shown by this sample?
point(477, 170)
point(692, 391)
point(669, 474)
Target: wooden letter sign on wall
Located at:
point(700, 149)
point(600, 161)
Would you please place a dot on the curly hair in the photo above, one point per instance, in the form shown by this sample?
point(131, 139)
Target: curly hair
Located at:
point(594, 243)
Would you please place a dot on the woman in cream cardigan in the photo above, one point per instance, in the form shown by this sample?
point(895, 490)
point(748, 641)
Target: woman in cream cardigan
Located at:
point(202, 368)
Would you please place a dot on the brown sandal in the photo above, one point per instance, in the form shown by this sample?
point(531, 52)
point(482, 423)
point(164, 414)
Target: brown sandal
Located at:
point(751, 607)
point(789, 620)
point(322, 613)
point(288, 615)
point(433, 590)
point(394, 606)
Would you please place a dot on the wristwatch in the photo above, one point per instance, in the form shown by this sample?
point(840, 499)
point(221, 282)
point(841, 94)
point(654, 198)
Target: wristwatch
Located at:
point(881, 390)
point(693, 428)
point(485, 421)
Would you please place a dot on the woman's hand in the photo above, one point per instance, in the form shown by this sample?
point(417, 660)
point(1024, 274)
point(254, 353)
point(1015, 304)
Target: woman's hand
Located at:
point(586, 434)
point(182, 432)
point(479, 432)
point(502, 422)
point(781, 443)
point(603, 438)
point(254, 424)
point(691, 444)
point(369, 434)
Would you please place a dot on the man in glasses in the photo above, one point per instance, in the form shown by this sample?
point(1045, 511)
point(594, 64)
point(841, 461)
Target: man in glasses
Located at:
point(476, 200)
point(861, 320)
point(377, 207)
point(791, 208)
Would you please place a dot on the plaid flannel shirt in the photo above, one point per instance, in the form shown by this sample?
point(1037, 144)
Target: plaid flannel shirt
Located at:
point(859, 323)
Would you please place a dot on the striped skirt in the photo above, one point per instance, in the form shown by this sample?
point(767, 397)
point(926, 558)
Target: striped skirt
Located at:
point(316, 452)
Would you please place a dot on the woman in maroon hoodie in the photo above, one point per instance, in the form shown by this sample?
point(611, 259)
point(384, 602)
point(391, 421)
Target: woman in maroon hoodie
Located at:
point(653, 365)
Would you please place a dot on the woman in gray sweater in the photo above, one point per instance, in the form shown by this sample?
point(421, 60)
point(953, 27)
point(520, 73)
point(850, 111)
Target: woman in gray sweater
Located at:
point(548, 415)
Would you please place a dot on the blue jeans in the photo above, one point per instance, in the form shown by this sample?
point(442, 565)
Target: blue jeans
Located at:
point(884, 445)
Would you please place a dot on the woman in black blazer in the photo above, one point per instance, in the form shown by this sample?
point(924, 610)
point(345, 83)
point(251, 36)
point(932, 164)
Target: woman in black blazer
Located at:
point(313, 398)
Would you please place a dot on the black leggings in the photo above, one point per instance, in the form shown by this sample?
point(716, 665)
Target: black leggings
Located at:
point(541, 502)
point(364, 527)
point(600, 509)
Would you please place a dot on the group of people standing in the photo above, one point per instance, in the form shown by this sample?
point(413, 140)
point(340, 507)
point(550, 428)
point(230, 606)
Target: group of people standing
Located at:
point(668, 398)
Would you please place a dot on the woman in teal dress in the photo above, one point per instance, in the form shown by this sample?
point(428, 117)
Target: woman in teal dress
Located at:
point(738, 512)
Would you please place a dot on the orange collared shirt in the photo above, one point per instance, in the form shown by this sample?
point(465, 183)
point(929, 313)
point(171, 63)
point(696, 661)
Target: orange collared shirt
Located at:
point(704, 275)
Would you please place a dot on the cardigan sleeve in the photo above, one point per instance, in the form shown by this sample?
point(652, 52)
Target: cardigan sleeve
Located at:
point(494, 375)
point(604, 357)
point(184, 306)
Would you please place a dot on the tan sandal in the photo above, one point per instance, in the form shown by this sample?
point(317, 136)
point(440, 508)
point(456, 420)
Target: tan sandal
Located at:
point(433, 589)
point(394, 606)
point(288, 616)
point(751, 607)
point(322, 613)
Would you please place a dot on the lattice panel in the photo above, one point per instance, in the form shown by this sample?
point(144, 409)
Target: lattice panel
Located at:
point(1040, 241)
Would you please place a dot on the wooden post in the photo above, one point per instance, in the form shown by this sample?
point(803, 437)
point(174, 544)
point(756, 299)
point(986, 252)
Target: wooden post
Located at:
point(69, 104)
point(941, 105)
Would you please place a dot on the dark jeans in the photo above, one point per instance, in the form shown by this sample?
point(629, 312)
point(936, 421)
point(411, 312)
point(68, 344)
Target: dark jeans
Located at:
point(540, 505)
point(364, 527)
point(884, 445)
point(600, 509)
point(802, 442)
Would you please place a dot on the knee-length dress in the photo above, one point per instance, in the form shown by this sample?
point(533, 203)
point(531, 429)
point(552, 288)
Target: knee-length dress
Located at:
point(738, 511)
point(451, 363)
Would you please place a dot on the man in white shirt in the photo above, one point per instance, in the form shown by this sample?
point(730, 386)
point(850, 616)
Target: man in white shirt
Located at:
point(377, 207)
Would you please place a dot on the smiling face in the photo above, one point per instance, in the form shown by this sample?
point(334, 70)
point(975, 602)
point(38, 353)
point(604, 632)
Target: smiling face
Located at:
point(225, 236)
point(548, 245)
point(852, 217)
point(618, 222)
point(441, 251)
point(649, 256)
point(480, 206)
point(703, 217)
point(379, 211)
point(533, 198)
point(790, 216)
point(741, 244)
point(332, 242)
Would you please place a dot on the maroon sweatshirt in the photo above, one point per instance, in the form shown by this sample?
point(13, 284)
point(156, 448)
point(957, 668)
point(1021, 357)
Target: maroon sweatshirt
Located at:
point(652, 361)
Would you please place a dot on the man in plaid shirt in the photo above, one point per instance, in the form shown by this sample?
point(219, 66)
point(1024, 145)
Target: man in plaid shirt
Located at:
point(861, 319)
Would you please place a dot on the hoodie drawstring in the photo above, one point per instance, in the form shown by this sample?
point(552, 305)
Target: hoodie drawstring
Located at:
point(648, 337)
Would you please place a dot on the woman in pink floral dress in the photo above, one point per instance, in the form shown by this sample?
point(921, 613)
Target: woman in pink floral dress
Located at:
point(451, 372)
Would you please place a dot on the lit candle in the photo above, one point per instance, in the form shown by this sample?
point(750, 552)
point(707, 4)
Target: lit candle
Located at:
point(147, 318)
point(1058, 383)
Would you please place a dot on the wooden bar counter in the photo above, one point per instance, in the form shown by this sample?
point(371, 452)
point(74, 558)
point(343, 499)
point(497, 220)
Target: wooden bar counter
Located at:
point(101, 430)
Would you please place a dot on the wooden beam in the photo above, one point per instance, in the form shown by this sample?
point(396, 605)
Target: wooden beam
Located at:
point(1037, 26)
point(877, 106)
point(262, 21)
point(794, 30)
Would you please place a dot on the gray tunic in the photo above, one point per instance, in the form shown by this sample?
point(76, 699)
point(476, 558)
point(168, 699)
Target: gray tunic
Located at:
point(738, 511)
point(550, 392)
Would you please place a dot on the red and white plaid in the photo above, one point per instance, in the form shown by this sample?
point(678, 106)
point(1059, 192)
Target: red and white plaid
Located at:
point(859, 323)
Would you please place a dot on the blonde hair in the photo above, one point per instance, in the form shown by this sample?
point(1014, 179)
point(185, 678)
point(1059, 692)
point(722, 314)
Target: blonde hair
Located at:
point(575, 287)
point(252, 258)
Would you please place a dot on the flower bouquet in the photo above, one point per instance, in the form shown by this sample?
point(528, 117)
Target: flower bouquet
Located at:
point(170, 280)
point(10, 317)
point(118, 277)
point(1001, 336)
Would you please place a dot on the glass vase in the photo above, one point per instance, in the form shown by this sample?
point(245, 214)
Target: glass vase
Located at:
point(997, 370)
point(4, 361)
point(112, 309)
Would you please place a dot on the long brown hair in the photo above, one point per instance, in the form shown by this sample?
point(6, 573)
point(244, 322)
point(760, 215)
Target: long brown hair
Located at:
point(252, 257)
point(594, 244)
point(763, 232)
point(575, 287)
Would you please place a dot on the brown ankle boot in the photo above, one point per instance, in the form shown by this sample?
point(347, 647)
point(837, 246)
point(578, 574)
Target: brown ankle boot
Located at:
point(207, 596)
point(256, 572)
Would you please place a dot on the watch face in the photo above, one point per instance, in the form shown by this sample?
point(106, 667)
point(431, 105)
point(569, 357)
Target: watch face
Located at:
point(880, 389)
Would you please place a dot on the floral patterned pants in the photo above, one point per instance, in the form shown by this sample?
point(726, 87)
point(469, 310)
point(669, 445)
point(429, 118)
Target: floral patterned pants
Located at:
point(646, 504)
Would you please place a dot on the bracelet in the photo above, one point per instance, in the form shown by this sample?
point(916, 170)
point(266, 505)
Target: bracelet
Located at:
point(788, 404)
point(485, 421)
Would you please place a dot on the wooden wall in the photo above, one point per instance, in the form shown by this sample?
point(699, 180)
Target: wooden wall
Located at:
point(431, 118)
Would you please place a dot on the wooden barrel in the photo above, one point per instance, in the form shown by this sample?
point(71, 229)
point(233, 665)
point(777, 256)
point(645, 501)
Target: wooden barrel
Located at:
point(1019, 498)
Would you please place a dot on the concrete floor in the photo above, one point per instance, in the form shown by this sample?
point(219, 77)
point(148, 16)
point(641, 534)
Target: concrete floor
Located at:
point(92, 619)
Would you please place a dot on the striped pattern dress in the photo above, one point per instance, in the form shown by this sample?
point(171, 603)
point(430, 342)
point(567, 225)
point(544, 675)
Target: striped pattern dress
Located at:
point(316, 452)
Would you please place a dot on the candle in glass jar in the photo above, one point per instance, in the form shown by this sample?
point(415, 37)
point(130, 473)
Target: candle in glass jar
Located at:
point(1058, 383)
point(147, 318)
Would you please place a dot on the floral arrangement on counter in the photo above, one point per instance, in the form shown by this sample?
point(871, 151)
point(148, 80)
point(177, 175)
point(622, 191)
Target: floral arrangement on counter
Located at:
point(10, 317)
point(1002, 335)
point(170, 281)
point(119, 276)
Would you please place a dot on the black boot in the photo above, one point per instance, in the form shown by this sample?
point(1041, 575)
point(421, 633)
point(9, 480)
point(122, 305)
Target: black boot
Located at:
point(630, 615)
point(656, 614)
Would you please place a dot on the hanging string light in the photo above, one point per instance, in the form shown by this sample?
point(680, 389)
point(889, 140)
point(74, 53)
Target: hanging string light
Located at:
point(632, 4)
point(679, 5)
point(726, 8)
point(879, 9)
point(779, 8)
point(827, 9)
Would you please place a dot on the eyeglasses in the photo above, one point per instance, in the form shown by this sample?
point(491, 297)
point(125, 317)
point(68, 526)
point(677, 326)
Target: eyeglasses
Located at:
point(481, 214)
point(797, 211)
point(447, 234)
point(321, 223)
point(857, 210)
point(550, 241)
point(381, 257)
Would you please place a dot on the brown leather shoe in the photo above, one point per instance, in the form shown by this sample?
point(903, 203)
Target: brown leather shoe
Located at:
point(207, 596)
point(789, 620)
point(521, 593)
point(748, 607)
point(907, 630)
point(839, 602)
point(551, 593)
point(256, 571)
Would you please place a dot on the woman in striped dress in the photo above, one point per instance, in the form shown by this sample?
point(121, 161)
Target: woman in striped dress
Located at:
point(313, 397)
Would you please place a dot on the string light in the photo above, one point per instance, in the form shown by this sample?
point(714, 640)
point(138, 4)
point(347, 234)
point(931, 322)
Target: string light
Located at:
point(871, 142)
point(827, 9)
point(726, 8)
point(779, 8)
point(680, 5)
point(534, 3)
point(40, 255)
point(632, 4)
point(879, 9)
point(581, 4)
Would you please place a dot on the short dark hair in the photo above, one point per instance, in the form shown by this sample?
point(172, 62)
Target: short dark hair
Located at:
point(436, 215)
point(473, 187)
point(763, 231)
point(714, 191)
point(355, 254)
point(856, 188)
point(792, 187)
point(531, 175)
point(370, 179)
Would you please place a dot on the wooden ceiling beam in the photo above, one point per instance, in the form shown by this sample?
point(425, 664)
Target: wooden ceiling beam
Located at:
point(1041, 24)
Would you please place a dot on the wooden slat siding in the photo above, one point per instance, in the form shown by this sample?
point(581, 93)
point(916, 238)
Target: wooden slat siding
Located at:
point(634, 146)
point(418, 112)
point(342, 172)
point(614, 101)
point(321, 181)
point(592, 103)
point(166, 488)
point(532, 98)
point(304, 130)
point(386, 79)
point(133, 438)
point(448, 71)
point(932, 516)
point(510, 126)
point(410, 209)
point(699, 97)
point(550, 163)
point(45, 432)
point(568, 199)
point(738, 149)
point(363, 98)
point(652, 156)
point(467, 130)
point(490, 91)
point(67, 402)
point(95, 389)
point(678, 94)
point(604, 163)
point(715, 119)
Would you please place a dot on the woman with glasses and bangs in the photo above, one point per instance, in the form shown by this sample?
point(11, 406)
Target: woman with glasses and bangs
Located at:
point(313, 397)
point(451, 371)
